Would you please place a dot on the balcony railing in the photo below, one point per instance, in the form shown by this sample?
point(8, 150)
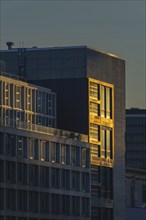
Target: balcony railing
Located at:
point(11, 76)
point(7, 122)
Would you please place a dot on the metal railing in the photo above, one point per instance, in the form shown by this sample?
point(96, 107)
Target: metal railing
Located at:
point(7, 122)
point(11, 76)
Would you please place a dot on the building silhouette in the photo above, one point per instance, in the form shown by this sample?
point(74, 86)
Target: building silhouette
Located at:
point(90, 89)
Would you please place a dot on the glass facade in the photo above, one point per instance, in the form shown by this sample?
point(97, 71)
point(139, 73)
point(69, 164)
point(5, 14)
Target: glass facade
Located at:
point(136, 138)
point(26, 103)
point(101, 126)
point(101, 134)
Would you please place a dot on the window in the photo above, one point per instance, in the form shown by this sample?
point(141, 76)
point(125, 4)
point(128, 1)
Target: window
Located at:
point(65, 179)
point(63, 153)
point(33, 149)
point(28, 99)
point(73, 155)
point(53, 152)
point(75, 206)
point(1, 171)
point(11, 199)
point(44, 203)
point(1, 199)
point(75, 180)
point(106, 102)
point(22, 172)
point(55, 204)
point(44, 176)
point(85, 182)
point(18, 96)
point(6, 94)
point(83, 157)
point(43, 150)
point(33, 202)
point(21, 147)
point(94, 109)
point(94, 132)
point(55, 178)
point(65, 205)
point(10, 144)
point(2, 143)
point(39, 102)
point(106, 142)
point(10, 172)
point(85, 207)
point(94, 91)
point(33, 175)
point(22, 200)
point(144, 193)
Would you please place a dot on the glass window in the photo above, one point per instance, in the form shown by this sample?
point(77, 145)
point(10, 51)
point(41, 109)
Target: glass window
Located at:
point(84, 157)
point(6, 91)
point(94, 109)
point(94, 132)
point(106, 102)
point(33, 149)
point(53, 152)
point(94, 91)
point(63, 153)
point(106, 143)
point(73, 155)
point(18, 96)
point(43, 150)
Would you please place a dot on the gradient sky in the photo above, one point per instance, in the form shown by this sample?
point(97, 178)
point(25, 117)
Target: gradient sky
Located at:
point(113, 26)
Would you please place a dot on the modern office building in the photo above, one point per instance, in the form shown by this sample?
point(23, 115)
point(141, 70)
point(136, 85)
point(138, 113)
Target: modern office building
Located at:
point(135, 163)
point(44, 171)
point(136, 138)
point(90, 88)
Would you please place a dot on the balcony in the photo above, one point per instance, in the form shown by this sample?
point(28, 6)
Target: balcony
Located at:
point(7, 122)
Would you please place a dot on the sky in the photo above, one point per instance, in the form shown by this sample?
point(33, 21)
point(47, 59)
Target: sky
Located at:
point(117, 27)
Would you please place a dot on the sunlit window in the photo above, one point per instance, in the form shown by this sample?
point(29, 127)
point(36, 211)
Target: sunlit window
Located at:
point(63, 153)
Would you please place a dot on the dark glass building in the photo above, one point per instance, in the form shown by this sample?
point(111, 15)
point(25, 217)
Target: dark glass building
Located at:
point(136, 138)
point(136, 163)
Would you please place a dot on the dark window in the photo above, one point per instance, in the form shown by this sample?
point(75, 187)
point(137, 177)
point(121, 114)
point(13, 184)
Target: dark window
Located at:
point(55, 204)
point(75, 180)
point(33, 175)
point(10, 145)
point(55, 178)
point(11, 199)
point(1, 143)
point(1, 171)
point(65, 179)
point(44, 203)
point(65, 205)
point(33, 202)
point(1, 198)
point(22, 173)
point(75, 206)
point(10, 172)
point(22, 200)
point(44, 176)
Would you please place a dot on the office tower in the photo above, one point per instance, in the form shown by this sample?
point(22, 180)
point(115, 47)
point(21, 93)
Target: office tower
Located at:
point(90, 88)
point(136, 163)
point(44, 171)
point(136, 138)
